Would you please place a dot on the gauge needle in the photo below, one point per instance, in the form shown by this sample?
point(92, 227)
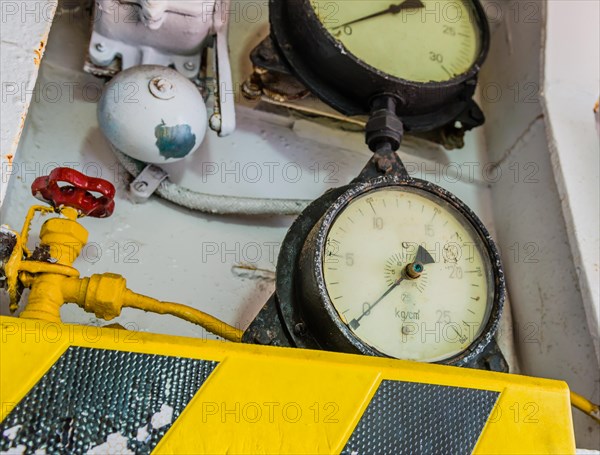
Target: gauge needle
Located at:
point(423, 256)
point(412, 271)
point(392, 9)
point(354, 323)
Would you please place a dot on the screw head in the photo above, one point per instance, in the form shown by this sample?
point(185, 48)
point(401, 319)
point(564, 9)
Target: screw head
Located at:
point(140, 186)
point(300, 329)
point(162, 88)
point(100, 47)
point(263, 337)
point(189, 65)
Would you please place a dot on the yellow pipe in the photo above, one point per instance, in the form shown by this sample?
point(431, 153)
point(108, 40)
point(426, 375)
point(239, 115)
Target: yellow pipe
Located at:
point(53, 284)
point(586, 406)
point(210, 323)
point(27, 224)
point(46, 267)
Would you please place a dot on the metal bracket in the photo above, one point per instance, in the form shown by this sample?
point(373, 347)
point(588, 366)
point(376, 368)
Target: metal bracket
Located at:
point(223, 119)
point(146, 183)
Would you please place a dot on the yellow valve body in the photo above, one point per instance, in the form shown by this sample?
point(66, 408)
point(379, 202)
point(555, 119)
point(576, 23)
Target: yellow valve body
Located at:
point(65, 238)
point(55, 283)
point(49, 291)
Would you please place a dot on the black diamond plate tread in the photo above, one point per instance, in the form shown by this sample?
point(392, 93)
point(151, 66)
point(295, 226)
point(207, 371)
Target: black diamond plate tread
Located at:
point(417, 419)
point(89, 394)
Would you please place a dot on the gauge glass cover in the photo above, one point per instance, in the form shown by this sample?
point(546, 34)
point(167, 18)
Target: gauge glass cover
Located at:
point(414, 40)
point(431, 317)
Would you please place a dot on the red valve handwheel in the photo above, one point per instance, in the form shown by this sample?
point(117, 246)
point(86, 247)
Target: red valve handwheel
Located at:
point(77, 193)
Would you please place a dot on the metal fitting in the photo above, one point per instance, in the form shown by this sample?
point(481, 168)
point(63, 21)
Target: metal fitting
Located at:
point(104, 295)
point(146, 183)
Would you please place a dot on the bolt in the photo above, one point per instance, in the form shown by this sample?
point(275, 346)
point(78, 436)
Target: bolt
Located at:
point(215, 122)
point(300, 329)
point(157, 172)
point(162, 88)
point(162, 85)
point(189, 65)
point(251, 91)
point(140, 186)
point(100, 47)
point(263, 337)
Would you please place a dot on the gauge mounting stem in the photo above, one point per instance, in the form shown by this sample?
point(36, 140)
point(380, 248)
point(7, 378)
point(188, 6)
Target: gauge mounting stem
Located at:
point(384, 126)
point(383, 134)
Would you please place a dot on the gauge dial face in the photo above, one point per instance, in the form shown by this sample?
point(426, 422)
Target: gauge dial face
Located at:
point(414, 40)
point(408, 274)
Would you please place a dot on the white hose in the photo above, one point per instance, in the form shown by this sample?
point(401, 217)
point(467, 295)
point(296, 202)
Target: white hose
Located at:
point(216, 204)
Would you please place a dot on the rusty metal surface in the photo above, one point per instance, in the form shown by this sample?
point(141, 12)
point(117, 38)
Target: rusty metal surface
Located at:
point(272, 80)
point(272, 77)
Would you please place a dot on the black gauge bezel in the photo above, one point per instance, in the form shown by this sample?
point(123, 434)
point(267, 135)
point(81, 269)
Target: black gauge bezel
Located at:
point(320, 313)
point(348, 84)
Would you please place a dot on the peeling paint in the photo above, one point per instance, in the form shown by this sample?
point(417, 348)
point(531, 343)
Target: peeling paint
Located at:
point(19, 450)
point(20, 128)
point(20, 72)
point(162, 418)
point(115, 443)
point(11, 433)
point(39, 53)
point(142, 434)
point(174, 141)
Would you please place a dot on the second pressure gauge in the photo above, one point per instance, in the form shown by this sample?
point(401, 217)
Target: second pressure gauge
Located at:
point(415, 40)
point(427, 53)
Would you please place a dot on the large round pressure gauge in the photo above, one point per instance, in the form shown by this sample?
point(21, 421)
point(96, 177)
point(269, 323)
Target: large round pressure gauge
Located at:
point(388, 266)
point(399, 270)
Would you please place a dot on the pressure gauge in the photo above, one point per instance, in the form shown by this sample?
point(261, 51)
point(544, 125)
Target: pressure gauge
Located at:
point(427, 53)
point(433, 41)
point(388, 266)
point(401, 269)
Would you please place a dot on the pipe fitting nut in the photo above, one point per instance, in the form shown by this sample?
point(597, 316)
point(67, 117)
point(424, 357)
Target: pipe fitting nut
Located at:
point(104, 296)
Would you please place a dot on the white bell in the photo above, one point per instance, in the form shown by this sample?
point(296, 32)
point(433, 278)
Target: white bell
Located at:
point(153, 114)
